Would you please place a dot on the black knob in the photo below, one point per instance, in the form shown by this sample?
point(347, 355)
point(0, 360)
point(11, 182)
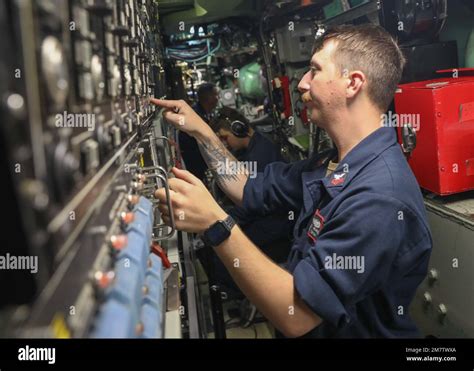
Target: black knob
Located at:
point(101, 8)
point(120, 31)
point(132, 43)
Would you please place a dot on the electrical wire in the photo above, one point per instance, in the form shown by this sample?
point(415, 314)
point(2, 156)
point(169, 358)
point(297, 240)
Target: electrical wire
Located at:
point(209, 54)
point(190, 57)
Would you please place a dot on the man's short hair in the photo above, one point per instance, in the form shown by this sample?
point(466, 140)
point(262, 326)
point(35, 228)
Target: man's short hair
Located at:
point(372, 50)
point(225, 117)
point(205, 90)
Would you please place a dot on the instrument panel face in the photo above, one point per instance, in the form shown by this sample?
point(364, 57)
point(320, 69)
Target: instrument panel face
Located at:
point(80, 131)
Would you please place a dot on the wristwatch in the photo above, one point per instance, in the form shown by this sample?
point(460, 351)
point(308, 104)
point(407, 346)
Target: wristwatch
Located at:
point(218, 232)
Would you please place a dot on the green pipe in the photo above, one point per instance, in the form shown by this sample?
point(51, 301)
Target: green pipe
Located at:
point(470, 50)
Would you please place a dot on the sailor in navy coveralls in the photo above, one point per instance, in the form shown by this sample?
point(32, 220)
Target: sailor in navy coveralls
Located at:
point(361, 240)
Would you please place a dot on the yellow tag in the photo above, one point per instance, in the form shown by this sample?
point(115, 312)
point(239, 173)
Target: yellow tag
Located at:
point(59, 327)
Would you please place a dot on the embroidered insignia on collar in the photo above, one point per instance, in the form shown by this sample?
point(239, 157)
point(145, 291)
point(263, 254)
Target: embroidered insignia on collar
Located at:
point(338, 178)
point(316, 225)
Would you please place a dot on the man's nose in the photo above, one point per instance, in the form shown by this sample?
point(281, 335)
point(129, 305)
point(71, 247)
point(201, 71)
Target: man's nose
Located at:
point(303, 85)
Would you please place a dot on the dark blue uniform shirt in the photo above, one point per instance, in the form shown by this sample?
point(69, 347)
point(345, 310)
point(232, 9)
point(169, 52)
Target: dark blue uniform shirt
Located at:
point(270, 233)
point(262, 150)
point(362, 242)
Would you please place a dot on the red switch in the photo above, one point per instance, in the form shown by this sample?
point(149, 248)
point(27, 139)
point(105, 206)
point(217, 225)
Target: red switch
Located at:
point(158, 250)
point(119, 242)
point(127, 218)
point(104, 279)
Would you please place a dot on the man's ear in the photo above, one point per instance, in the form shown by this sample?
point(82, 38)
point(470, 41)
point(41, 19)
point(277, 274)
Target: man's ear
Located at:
point(355, 81)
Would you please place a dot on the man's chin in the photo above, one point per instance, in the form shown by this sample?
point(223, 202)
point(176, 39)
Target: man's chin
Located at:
point(317, 122)
point(313, 117)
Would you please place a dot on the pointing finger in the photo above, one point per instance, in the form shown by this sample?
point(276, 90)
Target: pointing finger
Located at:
point(174, 105)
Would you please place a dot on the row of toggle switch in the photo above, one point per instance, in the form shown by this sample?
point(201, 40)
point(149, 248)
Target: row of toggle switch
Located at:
point(134, 303)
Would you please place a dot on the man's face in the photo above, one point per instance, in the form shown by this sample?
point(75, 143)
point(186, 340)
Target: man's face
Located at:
point(213, 99)
point(324, 85)
point(230, 140)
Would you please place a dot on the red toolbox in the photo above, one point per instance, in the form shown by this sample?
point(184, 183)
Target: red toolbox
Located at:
point(443, 112)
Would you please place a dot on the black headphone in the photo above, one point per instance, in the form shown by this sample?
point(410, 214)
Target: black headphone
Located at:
point(239, 129)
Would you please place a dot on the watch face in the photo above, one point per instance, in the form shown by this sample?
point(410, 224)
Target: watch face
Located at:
point(217, 233)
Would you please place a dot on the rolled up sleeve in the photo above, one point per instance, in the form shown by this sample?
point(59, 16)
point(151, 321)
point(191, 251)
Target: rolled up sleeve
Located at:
point(319, 295)
point(372, 230)
point(279, 187)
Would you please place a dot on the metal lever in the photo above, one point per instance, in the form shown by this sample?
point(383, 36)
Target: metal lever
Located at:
point(170, 208)
point(157, 167)
point(164, 179)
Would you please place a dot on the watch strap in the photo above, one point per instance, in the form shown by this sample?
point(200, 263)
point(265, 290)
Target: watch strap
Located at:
point(229, 223)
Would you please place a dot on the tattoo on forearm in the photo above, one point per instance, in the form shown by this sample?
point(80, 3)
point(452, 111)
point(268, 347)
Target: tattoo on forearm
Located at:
point(221, 162)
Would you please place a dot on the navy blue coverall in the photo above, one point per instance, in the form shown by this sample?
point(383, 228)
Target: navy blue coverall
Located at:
point(361, 241)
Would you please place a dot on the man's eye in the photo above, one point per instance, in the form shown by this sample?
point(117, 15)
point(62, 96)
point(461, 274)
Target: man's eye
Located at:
point(313, 70)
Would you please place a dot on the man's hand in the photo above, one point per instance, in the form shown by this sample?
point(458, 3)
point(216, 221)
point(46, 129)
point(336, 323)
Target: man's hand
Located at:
point(217, 157)
point(182, 116)
point(194, 208)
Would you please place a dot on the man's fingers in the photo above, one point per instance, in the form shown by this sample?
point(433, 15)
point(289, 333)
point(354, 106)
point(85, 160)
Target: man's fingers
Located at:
point(164, 209)
point(178, 185)
point(166, 219)
point(160, 194)
point(175, 118)
point(186, 176)
point(174, 105)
